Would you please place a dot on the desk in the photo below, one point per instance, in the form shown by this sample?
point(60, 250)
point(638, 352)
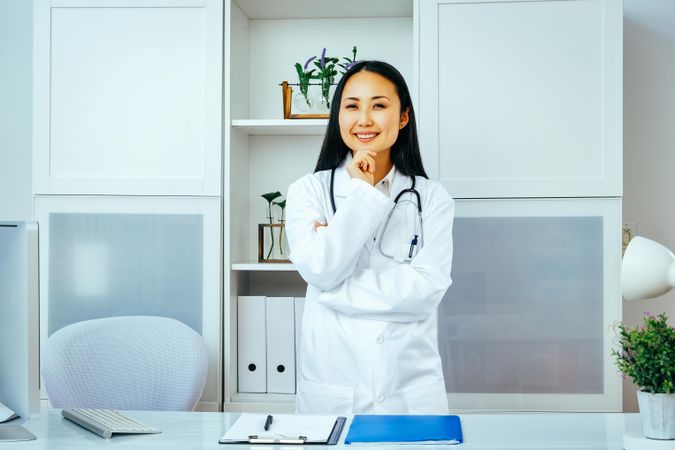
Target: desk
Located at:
point(197, 430)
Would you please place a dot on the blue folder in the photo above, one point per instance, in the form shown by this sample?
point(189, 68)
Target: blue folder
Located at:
point(411, 429)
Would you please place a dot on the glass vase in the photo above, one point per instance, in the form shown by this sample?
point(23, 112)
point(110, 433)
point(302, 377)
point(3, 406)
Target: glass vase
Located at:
point(302, 104)
point(272, 243)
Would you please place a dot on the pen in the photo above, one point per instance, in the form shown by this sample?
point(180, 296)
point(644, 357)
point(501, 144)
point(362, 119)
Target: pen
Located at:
point(268, 422)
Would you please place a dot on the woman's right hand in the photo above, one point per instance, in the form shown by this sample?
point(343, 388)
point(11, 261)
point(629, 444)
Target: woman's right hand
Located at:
point(363, 166)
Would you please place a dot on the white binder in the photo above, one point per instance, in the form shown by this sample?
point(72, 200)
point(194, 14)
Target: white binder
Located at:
point(299, 309)
point(280, 345)
point(251, 340)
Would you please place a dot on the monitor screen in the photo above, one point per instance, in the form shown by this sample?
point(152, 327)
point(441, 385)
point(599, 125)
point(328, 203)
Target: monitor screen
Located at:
point(19, 322)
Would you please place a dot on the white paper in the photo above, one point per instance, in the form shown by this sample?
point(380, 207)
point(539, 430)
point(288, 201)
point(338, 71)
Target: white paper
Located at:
point(284, 426)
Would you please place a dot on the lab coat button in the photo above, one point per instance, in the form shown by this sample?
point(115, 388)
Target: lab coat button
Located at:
point(380, 398)
point(379, 340)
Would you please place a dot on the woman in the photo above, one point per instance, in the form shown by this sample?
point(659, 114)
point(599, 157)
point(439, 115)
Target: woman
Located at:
point(369, 330)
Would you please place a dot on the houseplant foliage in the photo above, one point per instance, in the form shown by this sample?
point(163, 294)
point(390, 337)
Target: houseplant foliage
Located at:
point(270, 197)
point(646, 354)
point(324, 72)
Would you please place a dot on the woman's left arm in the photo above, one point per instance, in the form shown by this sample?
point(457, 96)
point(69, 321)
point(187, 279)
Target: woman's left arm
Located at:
point(405, 292)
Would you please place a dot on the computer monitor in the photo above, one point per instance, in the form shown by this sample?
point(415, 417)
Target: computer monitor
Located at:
point(19, 318)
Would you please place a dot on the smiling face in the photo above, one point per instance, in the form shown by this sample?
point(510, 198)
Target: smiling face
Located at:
point(370, 113)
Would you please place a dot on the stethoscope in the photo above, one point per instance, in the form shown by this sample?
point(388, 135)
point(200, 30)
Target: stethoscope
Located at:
point(417, 241)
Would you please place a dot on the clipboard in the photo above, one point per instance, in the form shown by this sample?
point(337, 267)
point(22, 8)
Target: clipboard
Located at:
point(290, 429)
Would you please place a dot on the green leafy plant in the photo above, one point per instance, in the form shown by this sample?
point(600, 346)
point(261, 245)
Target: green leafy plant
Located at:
point(324, 72)
point(270, 197)
point(646, 353)
point(349, 62)
point(282, 219)
point(304, 76)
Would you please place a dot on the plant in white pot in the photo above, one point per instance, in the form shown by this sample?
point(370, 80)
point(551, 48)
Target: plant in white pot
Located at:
point(646, 353)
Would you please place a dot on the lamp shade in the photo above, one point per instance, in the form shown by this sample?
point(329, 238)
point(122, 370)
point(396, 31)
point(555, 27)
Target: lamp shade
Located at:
point(647, 270)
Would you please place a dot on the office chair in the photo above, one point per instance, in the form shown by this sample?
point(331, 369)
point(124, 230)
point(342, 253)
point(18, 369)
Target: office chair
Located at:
point(132, 363)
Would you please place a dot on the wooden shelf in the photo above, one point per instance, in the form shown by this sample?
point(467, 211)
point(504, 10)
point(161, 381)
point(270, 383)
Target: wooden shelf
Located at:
point(264, 267)
point(291, 127)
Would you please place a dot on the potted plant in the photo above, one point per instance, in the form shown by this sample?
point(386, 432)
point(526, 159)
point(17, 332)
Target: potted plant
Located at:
point(269, 249)
point(324, 72)
point(646, 353)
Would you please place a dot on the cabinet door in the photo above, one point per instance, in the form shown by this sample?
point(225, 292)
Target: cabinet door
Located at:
point(527, 322)
point(127, 97)
point(116, 256)
point(522, 98)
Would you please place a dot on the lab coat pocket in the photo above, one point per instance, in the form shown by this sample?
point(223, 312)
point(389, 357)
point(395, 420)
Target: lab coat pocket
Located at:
point(429, 398)
point(315, 398)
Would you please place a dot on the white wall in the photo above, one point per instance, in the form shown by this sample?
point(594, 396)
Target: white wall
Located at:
point(16, 81)
point(649, 139)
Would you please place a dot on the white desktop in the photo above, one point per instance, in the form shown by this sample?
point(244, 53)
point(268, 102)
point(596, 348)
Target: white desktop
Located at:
point(19, 318)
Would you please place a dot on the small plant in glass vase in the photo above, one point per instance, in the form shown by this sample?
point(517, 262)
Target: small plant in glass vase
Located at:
point(272, 247)
point(324, 74)
point(303, 101)
point(282, 220)
point(646, 354)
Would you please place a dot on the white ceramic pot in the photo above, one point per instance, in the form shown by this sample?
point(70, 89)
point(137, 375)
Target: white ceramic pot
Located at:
point(657, 412)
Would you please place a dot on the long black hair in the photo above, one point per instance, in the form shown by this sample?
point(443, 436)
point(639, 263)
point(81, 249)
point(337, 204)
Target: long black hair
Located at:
point(405, 152)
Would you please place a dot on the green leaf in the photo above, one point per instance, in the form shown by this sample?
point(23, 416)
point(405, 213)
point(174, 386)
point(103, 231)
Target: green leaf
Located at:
point(271, 196)
point(281, 204)
point(646, 354)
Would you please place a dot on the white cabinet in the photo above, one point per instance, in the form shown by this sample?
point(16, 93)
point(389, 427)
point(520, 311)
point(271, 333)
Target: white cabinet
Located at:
point(527, 323)
point(127, 97)
point(116, 256)
point(522, 98)
point(513, 99)
point(127, 105)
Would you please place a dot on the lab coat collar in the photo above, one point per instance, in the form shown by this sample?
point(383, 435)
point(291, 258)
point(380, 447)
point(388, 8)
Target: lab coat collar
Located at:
point(341, 188)
point(390, 179)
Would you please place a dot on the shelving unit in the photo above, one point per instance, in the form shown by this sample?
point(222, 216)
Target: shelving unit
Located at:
point(473, 96)
point(265, 153)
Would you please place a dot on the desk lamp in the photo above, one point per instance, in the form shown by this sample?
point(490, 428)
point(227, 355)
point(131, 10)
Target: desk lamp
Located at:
point(647, 271)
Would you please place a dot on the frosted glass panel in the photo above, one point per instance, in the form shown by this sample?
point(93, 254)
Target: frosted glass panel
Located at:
point(103, 265)
point(525, 311)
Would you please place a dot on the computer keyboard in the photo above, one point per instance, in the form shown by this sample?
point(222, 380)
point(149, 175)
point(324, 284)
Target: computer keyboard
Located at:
point(105, 422)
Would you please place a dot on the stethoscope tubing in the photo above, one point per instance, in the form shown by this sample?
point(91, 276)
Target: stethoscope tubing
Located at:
point(410, 190)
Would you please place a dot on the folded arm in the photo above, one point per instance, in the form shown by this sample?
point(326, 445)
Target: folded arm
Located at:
point(325, 256)
point(405, 292)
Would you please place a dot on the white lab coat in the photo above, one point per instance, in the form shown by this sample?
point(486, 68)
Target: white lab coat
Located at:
point(369, 330)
